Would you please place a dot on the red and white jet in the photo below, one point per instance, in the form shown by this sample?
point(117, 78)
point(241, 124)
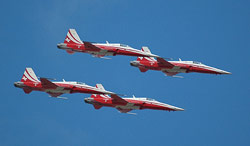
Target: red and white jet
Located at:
point(171, 68)
point(125, 105)
point(73, 43)
point(30, 82)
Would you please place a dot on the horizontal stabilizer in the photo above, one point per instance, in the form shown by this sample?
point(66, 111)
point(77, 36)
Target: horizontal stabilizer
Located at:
point(143, 69)
point(26, 90)
point(70, 52)
point(97, 106)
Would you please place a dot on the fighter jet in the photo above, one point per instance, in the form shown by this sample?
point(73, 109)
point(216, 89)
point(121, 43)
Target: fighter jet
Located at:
point(30, 82)
point(73, 43)
point(171, 68)
point(125, 105)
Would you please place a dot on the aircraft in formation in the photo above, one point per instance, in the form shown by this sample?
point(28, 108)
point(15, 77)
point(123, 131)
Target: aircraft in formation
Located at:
point(171, 68)
point(101, 97)
point(73, 43)
point(30, 82)
point(125, 105)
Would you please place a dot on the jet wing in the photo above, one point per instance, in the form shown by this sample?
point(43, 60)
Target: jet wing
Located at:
point(162, 61)
point(47, 84)
point(117, 98)
point(90, 47)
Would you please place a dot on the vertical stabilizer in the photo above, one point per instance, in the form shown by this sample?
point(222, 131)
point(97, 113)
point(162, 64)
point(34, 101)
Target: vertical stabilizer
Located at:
point(29, 76)
point(72, 37)
point(146, 49)
point(100, 86)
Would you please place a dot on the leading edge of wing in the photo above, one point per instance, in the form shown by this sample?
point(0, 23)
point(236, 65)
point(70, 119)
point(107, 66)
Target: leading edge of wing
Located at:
point(47, 84)
point(164, 62)
point(118, 98)
point(90, 47)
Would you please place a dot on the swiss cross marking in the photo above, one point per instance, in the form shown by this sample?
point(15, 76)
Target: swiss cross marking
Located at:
point(67, 39)
point(24, 78)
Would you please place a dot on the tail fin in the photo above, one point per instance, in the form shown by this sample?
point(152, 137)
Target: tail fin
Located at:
point(146, 49)
point(72, 37)
point(99, 86)
point(143, 69)
point(29, 76)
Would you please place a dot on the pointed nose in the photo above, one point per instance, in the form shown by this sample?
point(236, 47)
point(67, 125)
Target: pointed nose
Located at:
point(217, 71)
point(178, 109)
point(225, 72)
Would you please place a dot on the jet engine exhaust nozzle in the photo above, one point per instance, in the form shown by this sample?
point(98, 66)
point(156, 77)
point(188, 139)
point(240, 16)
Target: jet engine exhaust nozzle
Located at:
point(18, 84)
point(62, 46)
point(134, 63)
point(88, 100)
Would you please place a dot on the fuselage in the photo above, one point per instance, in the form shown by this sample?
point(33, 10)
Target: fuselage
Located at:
point(179, 67)
point(63, 87)
point(132, 104)
point(108, 49)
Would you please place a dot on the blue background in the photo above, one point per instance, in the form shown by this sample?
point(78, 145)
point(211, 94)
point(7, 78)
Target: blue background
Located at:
point(215, 32)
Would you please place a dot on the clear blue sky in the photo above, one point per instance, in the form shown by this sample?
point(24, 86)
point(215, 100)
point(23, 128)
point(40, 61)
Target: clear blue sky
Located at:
point(215, 32)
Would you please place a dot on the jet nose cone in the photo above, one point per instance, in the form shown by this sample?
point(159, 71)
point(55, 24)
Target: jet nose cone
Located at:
point(218, 71)
point(178, 109)
point(225, 72)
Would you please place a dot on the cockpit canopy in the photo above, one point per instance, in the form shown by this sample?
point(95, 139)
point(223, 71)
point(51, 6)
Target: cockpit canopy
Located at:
point(150, 99)
point(80, 83)
point(123, 45)
point(196, 62)
point(192, 62)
